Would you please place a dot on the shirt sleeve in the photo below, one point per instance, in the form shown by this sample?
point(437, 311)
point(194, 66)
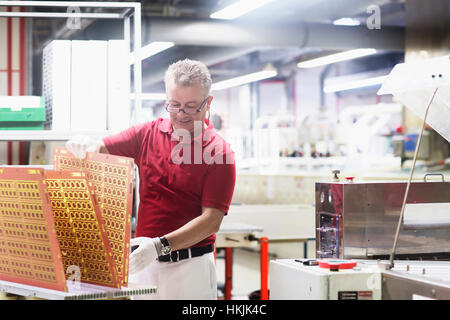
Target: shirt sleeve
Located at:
point(219, 186)
point(126, 143)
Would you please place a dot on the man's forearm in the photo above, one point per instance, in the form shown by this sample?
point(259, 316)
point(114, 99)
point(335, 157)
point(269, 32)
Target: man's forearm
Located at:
point(195, 230)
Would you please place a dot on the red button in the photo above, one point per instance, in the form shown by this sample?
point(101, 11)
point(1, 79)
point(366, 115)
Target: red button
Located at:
point(337, 264)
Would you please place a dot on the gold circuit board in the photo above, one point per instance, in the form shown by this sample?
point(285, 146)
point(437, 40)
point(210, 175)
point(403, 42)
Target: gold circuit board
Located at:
point(112, 178)
point(80, 228)
point(29, 250)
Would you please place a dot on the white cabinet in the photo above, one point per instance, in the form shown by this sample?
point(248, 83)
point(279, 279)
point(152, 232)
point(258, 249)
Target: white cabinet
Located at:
point(86, 85)
point(291, 280)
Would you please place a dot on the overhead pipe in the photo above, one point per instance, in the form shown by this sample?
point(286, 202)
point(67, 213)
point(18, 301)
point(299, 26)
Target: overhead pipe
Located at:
point(233, 39)
point(209, 57)
point(289, 34)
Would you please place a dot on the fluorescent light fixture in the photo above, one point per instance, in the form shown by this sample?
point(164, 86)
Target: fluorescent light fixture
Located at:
point(151, 49)
point(346, 22)
point(337, 57)
point(238, 9)
point(354, 84)
point(252, 77)
point(151, 96)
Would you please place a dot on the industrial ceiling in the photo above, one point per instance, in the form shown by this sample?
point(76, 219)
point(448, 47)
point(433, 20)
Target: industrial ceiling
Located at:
point(281, 33)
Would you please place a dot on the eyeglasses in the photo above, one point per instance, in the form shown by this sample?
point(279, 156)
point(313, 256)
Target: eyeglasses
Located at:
point(188, 108)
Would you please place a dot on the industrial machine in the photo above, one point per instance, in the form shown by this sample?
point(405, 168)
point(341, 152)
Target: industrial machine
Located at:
point(303, 279)
point(373, 221)
point(416, 280)
point(358, 220)
point(295, 279)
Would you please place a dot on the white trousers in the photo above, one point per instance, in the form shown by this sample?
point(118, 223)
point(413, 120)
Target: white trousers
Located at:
point(188, 279)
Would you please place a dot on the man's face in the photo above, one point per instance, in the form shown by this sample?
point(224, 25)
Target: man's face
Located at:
point(187, 97)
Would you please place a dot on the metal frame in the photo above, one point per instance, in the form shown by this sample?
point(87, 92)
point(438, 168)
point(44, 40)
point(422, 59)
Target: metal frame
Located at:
point(127, 10)
point(400, 220)
point(85, 291)
point(428, 279)
point(235, 235)
point(239, 235)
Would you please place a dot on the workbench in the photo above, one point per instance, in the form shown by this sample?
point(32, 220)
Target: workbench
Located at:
point(276, 224)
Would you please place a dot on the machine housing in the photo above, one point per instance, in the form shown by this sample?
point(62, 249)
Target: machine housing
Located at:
point(358, 220)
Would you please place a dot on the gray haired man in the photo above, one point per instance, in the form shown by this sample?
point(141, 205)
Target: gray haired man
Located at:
point(182, 203)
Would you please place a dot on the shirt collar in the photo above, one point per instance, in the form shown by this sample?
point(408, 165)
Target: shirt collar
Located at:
point(166, 126)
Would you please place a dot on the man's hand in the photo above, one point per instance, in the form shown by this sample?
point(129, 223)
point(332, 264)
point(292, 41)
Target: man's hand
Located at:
point(79, 145)
point(145, 254)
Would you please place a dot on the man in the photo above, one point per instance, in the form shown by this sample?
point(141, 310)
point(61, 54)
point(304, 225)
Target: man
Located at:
point(183, 198)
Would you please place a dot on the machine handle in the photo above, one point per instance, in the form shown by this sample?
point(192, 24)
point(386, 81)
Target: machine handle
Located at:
point(324, 229)
point(433, 174)
point(319, 252)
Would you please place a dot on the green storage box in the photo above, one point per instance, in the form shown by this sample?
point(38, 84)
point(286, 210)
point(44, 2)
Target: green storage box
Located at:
point(23, 118)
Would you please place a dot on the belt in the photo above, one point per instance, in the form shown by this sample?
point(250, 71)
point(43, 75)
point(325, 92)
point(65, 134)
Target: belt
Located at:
point(184, 253)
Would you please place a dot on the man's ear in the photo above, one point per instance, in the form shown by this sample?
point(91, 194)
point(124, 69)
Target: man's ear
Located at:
point(208, 105)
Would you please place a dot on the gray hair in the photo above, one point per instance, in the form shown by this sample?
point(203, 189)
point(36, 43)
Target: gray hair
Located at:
point(187, 72)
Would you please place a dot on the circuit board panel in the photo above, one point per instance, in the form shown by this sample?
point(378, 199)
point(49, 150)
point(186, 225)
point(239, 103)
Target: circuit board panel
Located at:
point(112, 181)
point(80, 228)
point(29, 249)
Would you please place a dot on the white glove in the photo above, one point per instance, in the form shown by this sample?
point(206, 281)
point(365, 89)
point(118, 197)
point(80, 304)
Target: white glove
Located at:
point(79, 145)
point(145, 254)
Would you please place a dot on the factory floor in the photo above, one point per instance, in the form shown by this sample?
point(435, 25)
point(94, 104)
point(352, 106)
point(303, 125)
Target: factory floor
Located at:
point(246, 275)
point(246, 266)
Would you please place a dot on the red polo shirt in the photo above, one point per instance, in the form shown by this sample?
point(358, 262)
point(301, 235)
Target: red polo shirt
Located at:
point(173, 193)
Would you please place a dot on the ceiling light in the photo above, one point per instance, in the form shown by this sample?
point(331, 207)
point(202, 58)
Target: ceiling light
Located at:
point(151, 96)
point(354, 84)
point(152, 49)
point(267, 73)
point(346, 22)
point(337, 57)
point(238, 9)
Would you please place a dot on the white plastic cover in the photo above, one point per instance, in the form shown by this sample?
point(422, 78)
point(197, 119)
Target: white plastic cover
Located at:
point(413, 83)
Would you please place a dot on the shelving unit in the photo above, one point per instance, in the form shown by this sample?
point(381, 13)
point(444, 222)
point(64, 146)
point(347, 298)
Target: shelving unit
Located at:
point(48, 135)
point(130, 13)
point(124, 11)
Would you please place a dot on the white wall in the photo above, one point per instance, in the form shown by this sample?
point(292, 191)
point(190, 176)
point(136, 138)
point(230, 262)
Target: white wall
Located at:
point(233, 106)
point(307, 91)
point(272, 98)
point(308, 94)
